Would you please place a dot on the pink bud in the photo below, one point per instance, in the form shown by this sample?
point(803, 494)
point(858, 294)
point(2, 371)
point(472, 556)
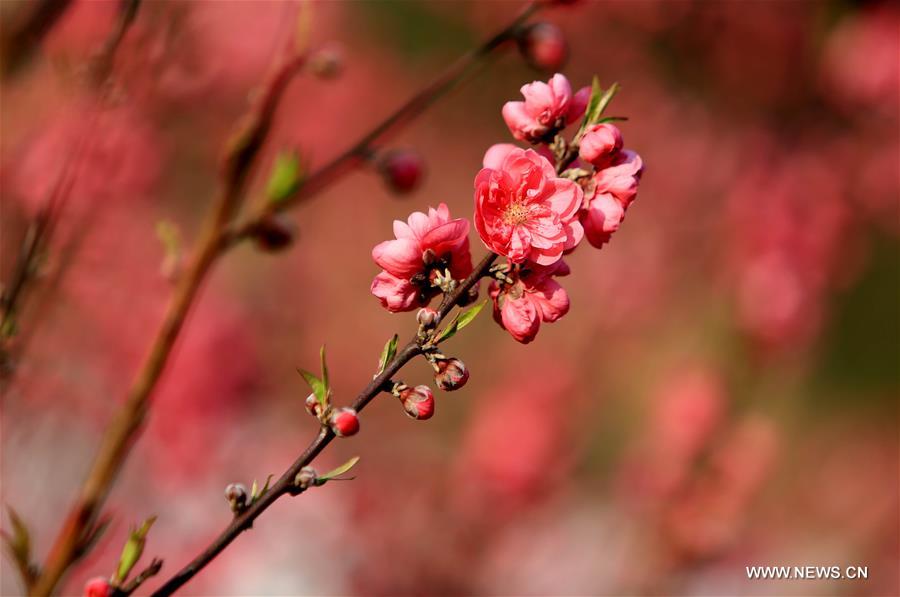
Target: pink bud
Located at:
point(274, 233)
point(312, 405)
point(236, 494)
point(402, 170)
point(344, 422)
point(427, 317)
point(544, 47)
point(418, 402)
point(451, 374)
point(600, 144)
point(97, 587)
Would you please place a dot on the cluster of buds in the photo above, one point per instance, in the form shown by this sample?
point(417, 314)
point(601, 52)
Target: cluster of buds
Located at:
point(450, 373)
point(418, 402)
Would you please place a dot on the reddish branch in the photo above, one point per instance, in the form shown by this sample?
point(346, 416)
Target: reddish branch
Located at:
point(218, 235)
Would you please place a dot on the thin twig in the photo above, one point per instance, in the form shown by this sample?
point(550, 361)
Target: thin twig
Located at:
point(285, 484)
point(356, 155)
point(124, 428)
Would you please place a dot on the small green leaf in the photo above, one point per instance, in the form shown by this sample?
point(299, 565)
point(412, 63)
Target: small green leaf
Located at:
point(448, 332)
point(133, 549)
point(19, 546)
point(467, 317)
point(332, 474)
point(387, 353)
point(597, 104)
point(253, 491)
point(286, 177)
point(324, 370)
point(168, 235)
point(315, 384)
point(612, 119)
point(266, 486)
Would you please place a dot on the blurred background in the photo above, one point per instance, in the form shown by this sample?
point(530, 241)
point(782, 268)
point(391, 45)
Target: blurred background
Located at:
point(723, 392)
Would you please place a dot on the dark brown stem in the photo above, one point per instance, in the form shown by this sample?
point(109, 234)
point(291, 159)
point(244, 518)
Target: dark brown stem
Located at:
point(25, 30)
point(358, 154)
point(125, 426)
point(285, 484)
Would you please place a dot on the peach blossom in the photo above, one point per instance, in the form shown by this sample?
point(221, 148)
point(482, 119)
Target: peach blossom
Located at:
point(533, 298)
point(425, 245)
point(548, 107)
point(523, 211)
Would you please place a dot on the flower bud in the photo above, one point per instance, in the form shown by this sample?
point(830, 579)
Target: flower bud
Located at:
point(543, 46)
point(97, 587)
point(236, 494)
point(427, 317)
point(600, 144)
point(327, 63)
point(418, 402)
point(312, 405)
point(402, 170)
point(274, 233)
point(451, 374)
point(306, 477)
point(344, 422)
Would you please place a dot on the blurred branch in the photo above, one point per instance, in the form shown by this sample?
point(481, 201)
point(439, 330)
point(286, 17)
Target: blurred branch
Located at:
point(41, 228)
point(216, 238)
point(124, 428)
point(25, 30)
point(358, 153)
point(286, 483)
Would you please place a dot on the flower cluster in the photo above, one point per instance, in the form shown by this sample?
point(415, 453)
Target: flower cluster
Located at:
point(532, 207)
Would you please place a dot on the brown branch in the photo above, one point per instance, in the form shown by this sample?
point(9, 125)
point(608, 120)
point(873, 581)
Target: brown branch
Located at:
point(25, 31)
point(123, 430)
point(357, 155)
point(217, 237)
point(285, 484)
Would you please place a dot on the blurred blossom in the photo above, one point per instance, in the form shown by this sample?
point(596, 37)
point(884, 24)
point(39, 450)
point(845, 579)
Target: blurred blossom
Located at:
point(859, 63)
point(114, 155)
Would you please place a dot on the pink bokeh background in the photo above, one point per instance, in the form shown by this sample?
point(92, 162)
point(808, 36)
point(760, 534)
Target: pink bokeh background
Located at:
point(723, 392)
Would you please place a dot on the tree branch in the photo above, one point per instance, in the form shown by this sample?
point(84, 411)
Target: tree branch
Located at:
point(285, 483)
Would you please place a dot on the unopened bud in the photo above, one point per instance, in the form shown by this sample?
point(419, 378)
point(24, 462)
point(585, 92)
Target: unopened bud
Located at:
point(427, 317)
point(312, 405)
point(451, 374)
point(236, 494)
point(274, 233)
point(344, 422)
point(402, 170)
point(305, 478)
point(543, 46)
point(97, 587)
point(326, 63)
point(418, 402)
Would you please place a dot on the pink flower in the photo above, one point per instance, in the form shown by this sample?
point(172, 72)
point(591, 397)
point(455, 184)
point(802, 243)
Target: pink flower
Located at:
point(609, 193)
point(600, 144)
point(532, 298)
point(426, 245)
point(548, 107)
point(523, 211)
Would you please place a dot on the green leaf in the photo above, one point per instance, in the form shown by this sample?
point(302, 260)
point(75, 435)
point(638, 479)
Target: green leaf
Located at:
point(332, 474)
point(448, 332)
point(133, 549)
point(387, 353)
point(324, 369)
point(467, 317)
point(286, 177)
point(459, 322)
point(168, 235)
point(612, 119)
point(316, 385)
point(597, 104)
